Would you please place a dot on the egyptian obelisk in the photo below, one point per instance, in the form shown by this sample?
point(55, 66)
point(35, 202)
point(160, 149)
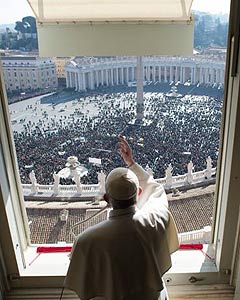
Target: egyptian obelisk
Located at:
point(140, 101)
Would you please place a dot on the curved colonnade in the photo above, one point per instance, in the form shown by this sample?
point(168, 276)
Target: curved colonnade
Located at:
point(90, 73)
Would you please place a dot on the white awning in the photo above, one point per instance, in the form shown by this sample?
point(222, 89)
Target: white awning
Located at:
point(114, 27)
point(110, 10)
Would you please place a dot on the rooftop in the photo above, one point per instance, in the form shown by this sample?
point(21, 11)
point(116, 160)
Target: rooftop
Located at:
point(191, 209)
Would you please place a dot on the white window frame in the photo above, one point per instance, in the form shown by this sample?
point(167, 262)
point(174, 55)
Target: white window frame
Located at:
point(15, 236)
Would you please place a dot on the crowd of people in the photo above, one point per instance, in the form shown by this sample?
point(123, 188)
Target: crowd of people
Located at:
point(174, 131)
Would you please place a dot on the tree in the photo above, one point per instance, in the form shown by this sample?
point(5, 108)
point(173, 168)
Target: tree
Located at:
point(27, 34)
point(27, 25)
point(30, 24)
point(19, 27)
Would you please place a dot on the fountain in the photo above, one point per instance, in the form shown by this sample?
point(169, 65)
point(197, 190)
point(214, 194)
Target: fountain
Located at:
point(72, 169)
point(173, 93)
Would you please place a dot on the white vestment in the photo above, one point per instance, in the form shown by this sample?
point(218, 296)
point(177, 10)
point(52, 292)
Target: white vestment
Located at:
point(125, 257)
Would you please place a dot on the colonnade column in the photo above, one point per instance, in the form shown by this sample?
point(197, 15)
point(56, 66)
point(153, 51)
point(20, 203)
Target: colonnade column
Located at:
point(117, 79)
point(79, 82)
point(91, 80)
point(67, 79)
point(222, 76)
point(176, 74)
point(219, 76)
point(84, 81)
point(184, 74)
point(171, 73)
point(102, 80)
point(97, 78)
point(70, 79)
point(148, 73)
point(106, 74)
point(111, 76)
point(165, 74)
point(122, 76)
point(76, 82)
point(216, 75)
point(181, 74)
point(195, 75)
point(214, 78)
point(192, 75)
point(154, 73)
point(206, 76)
point(73, 79)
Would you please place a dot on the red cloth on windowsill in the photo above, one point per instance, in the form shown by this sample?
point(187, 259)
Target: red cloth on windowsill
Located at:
point(53, 249)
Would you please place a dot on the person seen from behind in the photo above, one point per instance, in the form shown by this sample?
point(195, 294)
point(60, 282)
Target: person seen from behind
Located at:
point(126, 256)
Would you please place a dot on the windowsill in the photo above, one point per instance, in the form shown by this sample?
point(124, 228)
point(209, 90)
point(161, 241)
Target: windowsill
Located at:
point(56, 264)
point(45, 264)
point(194, 261)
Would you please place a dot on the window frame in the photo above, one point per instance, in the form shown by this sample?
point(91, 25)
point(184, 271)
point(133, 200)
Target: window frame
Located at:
point(227, 188)
point(225, 243)
point(20, 232)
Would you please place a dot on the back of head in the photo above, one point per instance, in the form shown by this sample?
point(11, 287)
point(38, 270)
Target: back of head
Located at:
point(122, 186)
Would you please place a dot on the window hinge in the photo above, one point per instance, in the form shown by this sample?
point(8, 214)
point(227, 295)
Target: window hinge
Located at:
point(13, 277)
point(226, 271)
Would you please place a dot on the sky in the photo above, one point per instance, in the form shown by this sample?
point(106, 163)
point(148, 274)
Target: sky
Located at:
point(14, 10)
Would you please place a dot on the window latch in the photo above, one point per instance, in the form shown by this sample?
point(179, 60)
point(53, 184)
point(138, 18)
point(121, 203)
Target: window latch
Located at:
point(194, 279)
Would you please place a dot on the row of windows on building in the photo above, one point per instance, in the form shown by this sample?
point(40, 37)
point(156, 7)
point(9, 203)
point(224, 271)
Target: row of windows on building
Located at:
point(29, 74)
point(33, 75)
point(21, 63)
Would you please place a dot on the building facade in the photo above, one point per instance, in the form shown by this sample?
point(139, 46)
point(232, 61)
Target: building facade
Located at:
point(60, 63)
point(23, 73)
point(84, 73)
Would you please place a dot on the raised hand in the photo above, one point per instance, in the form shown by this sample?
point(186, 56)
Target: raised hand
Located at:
point(125, 151)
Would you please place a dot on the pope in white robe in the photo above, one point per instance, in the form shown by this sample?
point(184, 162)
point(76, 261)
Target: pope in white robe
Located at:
point(125, 257)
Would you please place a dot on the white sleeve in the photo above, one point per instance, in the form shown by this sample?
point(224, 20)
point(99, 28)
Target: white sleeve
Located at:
point(153, 202)
point(151, 190)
